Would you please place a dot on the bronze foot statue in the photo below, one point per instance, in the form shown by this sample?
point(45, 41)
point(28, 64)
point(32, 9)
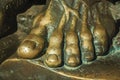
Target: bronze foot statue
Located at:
point(69, 33)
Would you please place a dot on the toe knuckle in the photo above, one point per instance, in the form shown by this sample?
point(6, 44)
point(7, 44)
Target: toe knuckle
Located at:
point(86, 35)
point(100, 31)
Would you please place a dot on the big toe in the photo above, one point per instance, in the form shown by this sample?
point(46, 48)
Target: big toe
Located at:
point(25, 50)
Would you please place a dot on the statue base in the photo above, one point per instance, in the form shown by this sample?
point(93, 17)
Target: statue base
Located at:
point(103, 68)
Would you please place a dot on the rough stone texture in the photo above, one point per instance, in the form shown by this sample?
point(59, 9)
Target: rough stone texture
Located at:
point(8, 11)
point(104, 68)
point(8, 44)
point(115, 9)
point(25, 19)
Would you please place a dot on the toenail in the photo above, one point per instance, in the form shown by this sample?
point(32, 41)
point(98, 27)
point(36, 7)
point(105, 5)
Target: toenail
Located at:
point(88, 56)
point(26, 49)
point(52, 58)
point(29, 44)
point(73, 61)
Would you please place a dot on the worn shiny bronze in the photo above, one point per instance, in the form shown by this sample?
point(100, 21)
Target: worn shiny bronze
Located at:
point(65, 37)
point(82, 43)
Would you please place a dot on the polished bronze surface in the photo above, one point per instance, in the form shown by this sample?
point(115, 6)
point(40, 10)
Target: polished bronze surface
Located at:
point(71, 36)
point(104, 68)
point(67, 40)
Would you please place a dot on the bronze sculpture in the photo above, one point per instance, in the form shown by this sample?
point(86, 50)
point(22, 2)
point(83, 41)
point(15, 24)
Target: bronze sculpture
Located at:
point(82, 40)
point(70, 34)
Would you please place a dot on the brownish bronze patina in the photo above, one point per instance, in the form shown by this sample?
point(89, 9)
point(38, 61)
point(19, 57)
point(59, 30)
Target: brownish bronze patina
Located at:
point(66, 41)
point(71, 35)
